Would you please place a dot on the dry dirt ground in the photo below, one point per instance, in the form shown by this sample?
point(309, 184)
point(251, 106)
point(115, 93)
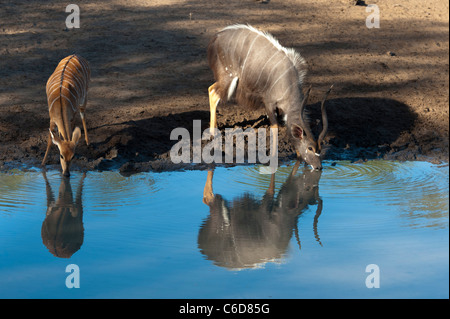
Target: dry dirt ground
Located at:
point(150, 75)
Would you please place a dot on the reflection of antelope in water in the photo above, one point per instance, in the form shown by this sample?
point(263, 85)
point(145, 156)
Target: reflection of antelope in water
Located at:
point(247, 231)
point(62, 230)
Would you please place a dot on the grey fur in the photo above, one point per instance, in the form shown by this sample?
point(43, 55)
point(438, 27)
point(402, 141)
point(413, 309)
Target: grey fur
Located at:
point(268, 74)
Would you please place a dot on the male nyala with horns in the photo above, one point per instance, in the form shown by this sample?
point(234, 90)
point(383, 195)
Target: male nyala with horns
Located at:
point(255, 69)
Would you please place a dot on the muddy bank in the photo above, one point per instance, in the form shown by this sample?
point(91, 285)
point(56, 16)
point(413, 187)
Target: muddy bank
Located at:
point(145, 145)
point(150, 76)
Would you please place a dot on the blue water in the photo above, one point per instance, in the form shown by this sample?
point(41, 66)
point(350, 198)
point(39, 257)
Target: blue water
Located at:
point(151, 235)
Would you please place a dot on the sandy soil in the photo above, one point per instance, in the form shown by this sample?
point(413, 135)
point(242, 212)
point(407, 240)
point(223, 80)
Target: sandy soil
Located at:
point(150, 75)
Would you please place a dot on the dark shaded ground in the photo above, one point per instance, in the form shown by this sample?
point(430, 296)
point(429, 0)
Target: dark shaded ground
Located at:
point(150, 75)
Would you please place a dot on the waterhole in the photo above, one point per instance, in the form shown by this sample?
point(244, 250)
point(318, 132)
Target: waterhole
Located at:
point(228, 232)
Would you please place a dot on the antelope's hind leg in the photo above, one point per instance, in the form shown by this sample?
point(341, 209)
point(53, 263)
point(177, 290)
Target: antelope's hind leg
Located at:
point(214, 100)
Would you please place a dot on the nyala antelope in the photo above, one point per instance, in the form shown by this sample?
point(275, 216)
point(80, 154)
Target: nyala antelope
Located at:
point(255, 69)
point(66, 96)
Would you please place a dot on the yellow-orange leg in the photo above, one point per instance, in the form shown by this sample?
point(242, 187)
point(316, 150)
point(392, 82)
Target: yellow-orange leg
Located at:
point(208, 195)
point(214, 99)
point(84, 128)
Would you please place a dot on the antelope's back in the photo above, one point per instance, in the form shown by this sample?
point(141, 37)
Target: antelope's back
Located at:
point(69, 83)
point(258, 61)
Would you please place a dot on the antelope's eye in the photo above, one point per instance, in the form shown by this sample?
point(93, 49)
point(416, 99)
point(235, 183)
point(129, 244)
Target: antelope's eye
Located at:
point(61, 157)
point(310, 148)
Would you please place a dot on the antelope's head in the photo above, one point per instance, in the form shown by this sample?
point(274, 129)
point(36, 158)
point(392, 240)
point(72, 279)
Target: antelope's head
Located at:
point(305, 144)
point(66, 149)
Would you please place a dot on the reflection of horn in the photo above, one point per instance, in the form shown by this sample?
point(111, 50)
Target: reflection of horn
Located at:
point(301, 198)
point(316, 219)
point(297, 237)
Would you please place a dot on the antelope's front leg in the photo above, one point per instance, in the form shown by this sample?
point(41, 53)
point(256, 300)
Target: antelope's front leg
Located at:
point(49, 143)
point(82, 110)
point(214, 99)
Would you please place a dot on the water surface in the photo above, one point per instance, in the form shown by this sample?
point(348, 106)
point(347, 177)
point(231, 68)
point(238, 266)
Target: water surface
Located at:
point(228, 233)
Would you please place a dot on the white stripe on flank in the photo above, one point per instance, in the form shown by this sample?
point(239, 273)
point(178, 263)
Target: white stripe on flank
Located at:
point(72, 84)
point(287, 90)
point(228, 47)
point(72, 72)
point(293, 55)
point(271, 71)
point(52, 83)
point(235, 46)
point(73, 95)
point(282, 75)
point(58, 87)
point(248, 52)
point(82, 74)
point(264, 67)
point(73, 108)
point(73, 76)
point(72, 64)
point(51, 104)
point(53, 91)
point(242, 45)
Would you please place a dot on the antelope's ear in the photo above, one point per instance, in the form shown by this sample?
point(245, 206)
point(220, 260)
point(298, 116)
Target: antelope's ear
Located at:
point(55, 138)
point(76, 135)
point(296, 131)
